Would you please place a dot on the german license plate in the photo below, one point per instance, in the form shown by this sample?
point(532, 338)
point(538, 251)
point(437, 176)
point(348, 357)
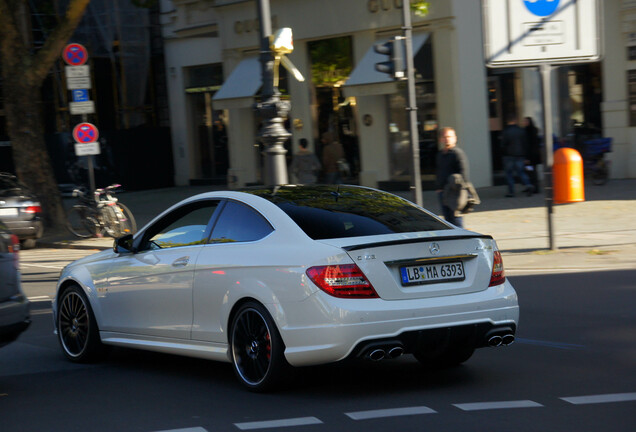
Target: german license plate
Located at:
point(8, 211)
point(430, 273)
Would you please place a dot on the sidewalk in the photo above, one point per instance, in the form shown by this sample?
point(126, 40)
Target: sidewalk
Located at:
point(599, 233)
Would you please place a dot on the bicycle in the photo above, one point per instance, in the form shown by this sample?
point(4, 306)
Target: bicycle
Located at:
point(100, 214)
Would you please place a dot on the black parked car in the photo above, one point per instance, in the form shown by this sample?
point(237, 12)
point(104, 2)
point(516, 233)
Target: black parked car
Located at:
point(20, 210)
point(14, 306)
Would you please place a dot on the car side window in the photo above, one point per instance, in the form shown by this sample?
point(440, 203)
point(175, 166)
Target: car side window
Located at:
point(239, 223)
point(186, 226)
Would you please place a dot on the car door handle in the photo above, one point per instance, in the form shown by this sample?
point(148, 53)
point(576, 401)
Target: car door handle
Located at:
point(181, 262)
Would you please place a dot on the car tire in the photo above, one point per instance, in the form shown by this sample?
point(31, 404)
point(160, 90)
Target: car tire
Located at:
point(257, 349)
point(449, 356)
point(77, 329)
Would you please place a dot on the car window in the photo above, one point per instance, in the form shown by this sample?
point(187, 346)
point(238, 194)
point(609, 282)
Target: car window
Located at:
point(186, 226)
point(239, 223)
point(325, 212)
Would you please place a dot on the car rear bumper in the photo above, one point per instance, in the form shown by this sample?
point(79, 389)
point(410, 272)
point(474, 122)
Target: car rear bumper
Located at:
point(31, 229)
point(357, 324)
point(14, 318)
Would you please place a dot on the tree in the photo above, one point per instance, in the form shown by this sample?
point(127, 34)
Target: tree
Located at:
point(23, 72)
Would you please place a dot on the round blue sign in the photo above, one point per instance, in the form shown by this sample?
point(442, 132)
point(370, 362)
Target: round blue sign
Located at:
point(542, 8)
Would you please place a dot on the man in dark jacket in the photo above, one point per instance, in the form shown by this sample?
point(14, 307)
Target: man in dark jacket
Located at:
point(514, 150)
point(450, 160)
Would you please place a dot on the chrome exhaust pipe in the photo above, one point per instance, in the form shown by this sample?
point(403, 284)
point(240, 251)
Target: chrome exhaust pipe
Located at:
point(495, 341)
point(395, 352)
point(507, 339)
point(376, 355)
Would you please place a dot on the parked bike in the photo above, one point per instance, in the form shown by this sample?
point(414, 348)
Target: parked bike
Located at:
point(100, 214)
point(594, 163)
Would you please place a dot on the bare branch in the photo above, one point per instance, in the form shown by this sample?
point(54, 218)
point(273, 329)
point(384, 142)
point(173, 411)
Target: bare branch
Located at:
point(56, 41)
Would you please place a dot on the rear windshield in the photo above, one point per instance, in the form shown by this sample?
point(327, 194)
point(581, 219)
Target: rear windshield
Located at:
point(325, 212)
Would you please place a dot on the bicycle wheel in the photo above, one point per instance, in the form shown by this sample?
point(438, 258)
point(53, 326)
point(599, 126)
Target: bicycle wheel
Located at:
point(110, 221)
point(81, 223)
point(127, 220)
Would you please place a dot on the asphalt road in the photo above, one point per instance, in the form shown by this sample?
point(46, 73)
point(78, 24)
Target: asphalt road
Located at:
point(572, 368)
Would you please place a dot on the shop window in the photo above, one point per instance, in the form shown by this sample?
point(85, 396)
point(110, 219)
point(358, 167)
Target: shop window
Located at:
point(427, 121)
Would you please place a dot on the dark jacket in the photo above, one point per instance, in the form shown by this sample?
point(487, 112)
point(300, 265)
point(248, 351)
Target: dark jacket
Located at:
point(513, 141)
point(454, 161)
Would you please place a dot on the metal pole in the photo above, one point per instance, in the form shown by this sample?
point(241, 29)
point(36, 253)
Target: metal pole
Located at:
point(412, 103)
point(546, 70)
point(271, 109)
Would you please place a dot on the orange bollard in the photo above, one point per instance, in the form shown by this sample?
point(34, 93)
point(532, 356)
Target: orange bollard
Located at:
point(567, 176)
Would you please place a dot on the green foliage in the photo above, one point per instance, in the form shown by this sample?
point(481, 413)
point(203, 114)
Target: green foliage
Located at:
point(420, 8)
point(330, 61)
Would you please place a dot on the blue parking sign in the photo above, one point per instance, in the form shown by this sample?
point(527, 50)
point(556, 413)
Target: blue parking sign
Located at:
point(542, 8)
point(80, 95)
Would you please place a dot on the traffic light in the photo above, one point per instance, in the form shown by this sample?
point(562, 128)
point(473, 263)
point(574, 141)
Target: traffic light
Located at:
point(394, 50)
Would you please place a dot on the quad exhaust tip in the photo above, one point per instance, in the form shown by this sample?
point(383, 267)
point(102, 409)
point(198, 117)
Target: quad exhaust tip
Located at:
point(499, 340)
point(378, 354)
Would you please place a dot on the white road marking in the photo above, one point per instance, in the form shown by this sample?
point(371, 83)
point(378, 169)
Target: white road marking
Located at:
point(300, 421)
point(57, 267)
point(194, 429)
point(39, 298)
point(603, 398)
point(391, 412)
point(497, 405)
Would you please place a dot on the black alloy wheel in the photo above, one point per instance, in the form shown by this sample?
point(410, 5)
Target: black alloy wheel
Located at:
point(76, 327)
point(257, 348)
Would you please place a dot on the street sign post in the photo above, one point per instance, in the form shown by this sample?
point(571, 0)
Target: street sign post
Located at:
point(542, 33)
point(78, 80)
point(533, 32)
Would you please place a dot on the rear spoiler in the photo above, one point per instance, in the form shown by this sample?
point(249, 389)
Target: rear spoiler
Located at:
point(414, 240)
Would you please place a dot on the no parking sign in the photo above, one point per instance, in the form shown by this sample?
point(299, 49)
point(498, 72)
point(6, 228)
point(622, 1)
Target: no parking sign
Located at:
point(85, 133)
point(75, 54)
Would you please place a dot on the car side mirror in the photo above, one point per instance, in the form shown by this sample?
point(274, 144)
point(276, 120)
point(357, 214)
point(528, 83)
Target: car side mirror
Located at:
point(124, 244)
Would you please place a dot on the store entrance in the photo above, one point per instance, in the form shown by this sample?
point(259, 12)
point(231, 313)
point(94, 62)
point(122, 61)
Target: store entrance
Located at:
point(211, 154)
point(331, 64)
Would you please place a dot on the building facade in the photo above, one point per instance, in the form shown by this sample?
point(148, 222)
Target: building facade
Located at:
point(213, 74)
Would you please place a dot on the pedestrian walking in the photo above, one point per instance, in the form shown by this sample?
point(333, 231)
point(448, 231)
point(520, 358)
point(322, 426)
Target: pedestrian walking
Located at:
point(305, 165)
point(332, 152)
point(533, 155)
point(514, 150)
point(451, 160)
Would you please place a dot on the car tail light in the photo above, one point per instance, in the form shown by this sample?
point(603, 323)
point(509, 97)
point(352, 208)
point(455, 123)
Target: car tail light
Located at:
point(14, 248)
point(33, 209)
point(498, 276)
point(342, 281)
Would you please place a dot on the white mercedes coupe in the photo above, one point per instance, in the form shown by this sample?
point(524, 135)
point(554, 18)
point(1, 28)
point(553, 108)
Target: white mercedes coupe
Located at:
point(275, 277)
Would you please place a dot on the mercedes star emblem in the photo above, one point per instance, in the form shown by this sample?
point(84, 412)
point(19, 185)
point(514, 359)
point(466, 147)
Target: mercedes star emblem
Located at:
point(434, 248)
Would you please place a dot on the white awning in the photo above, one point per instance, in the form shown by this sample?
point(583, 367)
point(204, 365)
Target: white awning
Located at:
point(365, 74)
point(243, 82)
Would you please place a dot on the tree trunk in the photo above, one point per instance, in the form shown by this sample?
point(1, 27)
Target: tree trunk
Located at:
point(23, 73)
point(30, 155)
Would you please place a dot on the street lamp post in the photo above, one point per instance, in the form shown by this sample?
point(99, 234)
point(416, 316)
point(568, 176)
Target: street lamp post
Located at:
point(271, 109)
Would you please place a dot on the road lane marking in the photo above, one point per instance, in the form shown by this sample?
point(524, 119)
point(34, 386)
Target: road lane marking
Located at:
point(477, 406)
point(194, 429)
point(603, 398)
point(59, 267)
point(39, 298)
point(391, 412)
point(300, 421)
